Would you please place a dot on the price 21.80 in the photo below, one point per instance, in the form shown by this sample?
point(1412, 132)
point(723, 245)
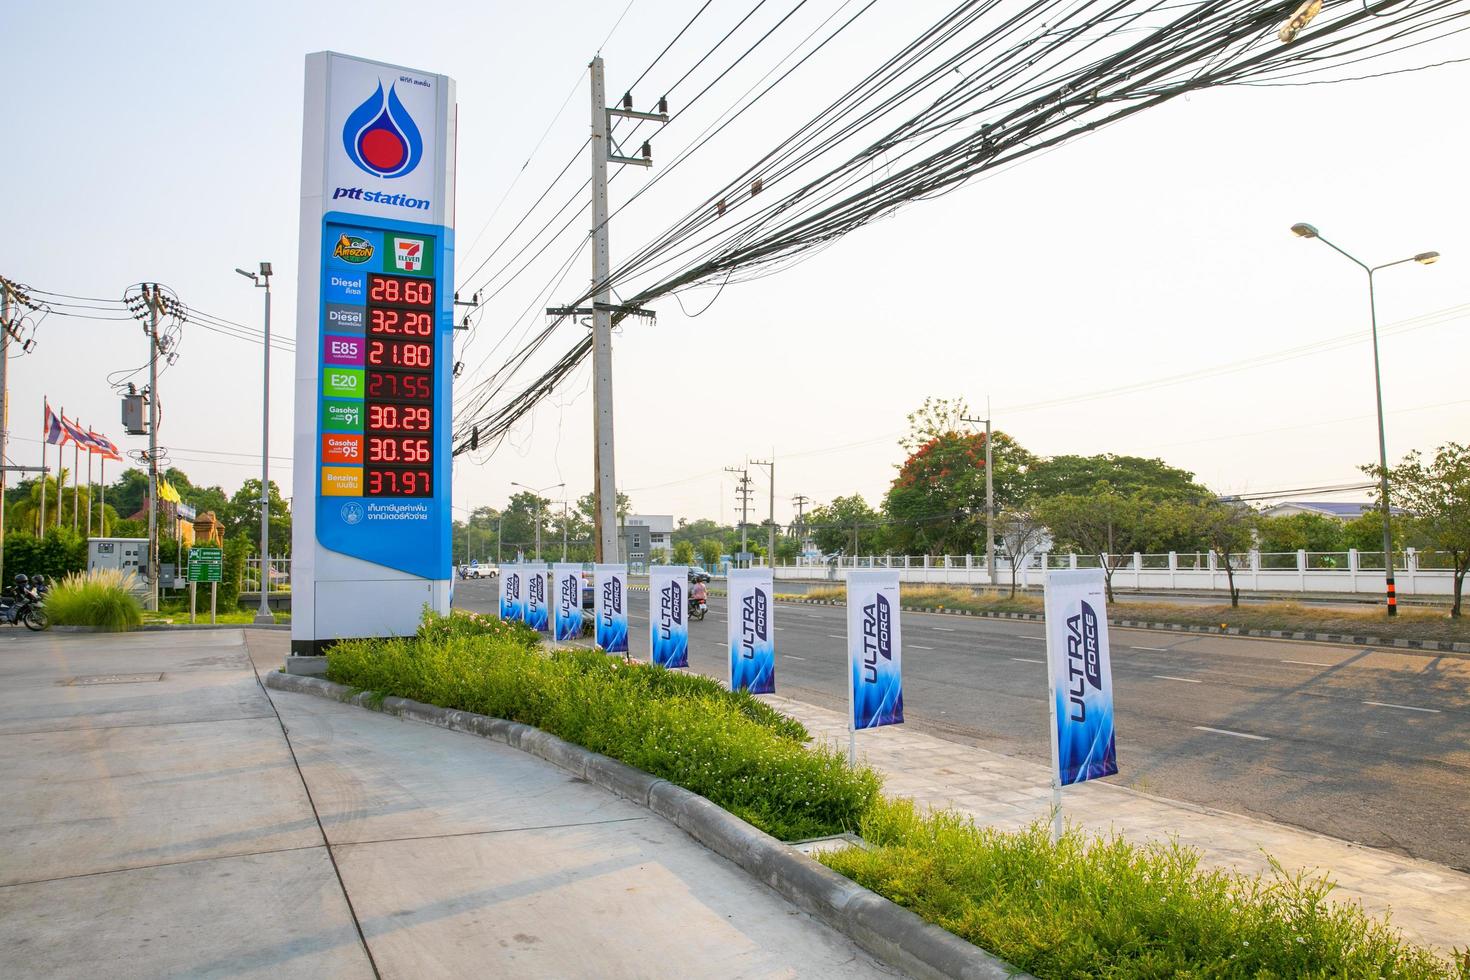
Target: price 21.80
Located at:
point(411, 354)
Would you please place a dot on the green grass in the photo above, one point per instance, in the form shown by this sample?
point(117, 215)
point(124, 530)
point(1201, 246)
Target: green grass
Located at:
point(170, 615)
point(728, 747)
point(102, 599)
point(1092, 907)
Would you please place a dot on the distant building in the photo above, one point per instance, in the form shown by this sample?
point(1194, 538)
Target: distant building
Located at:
point(633, 539)
point(1337, 509)
point(658, 527)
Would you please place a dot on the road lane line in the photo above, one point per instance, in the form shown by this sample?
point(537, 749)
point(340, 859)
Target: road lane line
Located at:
point(1025, 636)
point(835, 636)
point(918, 647)
point(1027, 660)
point(1403, 707)
point(1307, 663)
point(943, 629)
point(1154, 649)
point(1226, 731)
point(780, 628)
point(1187, 680)
point(792, 657)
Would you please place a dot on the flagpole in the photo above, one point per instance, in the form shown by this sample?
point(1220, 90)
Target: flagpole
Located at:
point(102, 493)
point(59, 464)
point(90, 454)
point(76, 485)
point(45, 431)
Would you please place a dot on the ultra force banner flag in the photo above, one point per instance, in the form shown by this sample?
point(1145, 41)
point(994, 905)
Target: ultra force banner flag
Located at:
point(512, 603)
point(1081, 674)
point(567, 600)
point(874, 649)
point(751, 632)
point(537, 585)
point(668, 620)
point(610, 586)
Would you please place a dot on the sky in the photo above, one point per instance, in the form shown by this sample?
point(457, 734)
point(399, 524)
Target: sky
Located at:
point(1136, 291)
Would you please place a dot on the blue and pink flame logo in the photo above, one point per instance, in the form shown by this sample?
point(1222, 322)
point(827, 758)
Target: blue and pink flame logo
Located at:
point(381, 138)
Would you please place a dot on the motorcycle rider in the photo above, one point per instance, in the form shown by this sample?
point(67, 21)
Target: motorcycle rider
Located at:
point(698, 593)
point(18, 588)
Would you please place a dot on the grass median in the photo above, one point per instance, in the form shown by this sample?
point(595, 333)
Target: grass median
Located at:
point(728, 747)
point(1411, 623)
point(1085, 908)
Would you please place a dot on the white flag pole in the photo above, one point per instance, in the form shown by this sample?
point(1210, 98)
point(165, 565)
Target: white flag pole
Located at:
point(1051, 701)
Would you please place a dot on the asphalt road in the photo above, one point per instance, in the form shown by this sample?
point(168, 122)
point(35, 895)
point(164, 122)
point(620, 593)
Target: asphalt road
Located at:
point(1364, 744)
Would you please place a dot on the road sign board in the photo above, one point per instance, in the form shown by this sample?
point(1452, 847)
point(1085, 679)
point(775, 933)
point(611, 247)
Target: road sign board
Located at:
point(206, 564)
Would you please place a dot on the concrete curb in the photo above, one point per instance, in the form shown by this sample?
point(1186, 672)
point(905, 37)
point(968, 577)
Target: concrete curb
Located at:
point(894, 935)
point(1138, 624)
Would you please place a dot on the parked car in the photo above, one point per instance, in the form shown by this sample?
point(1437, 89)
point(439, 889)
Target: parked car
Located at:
point(697, 574)
point(474, 570)
point(589, 593)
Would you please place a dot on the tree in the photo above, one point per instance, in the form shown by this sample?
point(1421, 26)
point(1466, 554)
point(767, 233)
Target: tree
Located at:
point(242, 518)
point(788, 549)
point(1104, 523)
point(710, 550)
point(587, 510)
point(1365, 532)
point(1227, 528)
point(847, 525)
point(1061, 475)
point(1304, 532)
point(1436, 496)
point(937, 502)
point(697, 531)
point(519, 520)
point(683, 553)
point(1022, 531)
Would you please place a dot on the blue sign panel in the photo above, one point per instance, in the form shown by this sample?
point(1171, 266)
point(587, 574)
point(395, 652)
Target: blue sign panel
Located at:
point(668, 620)
point(387, 335)
point(750, 632)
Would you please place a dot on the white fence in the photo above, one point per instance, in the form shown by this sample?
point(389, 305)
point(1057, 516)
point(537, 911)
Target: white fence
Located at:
point(280, 575)
point(1301, 571)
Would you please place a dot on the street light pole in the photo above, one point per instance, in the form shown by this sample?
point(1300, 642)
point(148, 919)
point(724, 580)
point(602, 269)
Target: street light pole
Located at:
point(263, 614)
point(537, 494)
point(1304, 230)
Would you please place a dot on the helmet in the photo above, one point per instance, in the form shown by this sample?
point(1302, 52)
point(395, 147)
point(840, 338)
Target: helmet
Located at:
point(22, 580)
point(39, 581)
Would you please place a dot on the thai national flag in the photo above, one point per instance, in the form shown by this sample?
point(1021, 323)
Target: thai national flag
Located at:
point(103, 446)
point(55, 433)
point(74, 433)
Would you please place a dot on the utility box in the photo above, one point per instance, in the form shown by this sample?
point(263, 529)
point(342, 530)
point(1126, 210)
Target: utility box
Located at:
point(135, 415)
point(123, 554)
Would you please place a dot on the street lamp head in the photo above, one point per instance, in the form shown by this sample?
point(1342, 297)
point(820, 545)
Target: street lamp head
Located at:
point(265, 269)
point(1427, 258)
point(247, 275)
point(1303, 230)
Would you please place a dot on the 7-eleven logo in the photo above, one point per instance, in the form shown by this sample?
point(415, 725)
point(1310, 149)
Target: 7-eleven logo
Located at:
point(408, 254)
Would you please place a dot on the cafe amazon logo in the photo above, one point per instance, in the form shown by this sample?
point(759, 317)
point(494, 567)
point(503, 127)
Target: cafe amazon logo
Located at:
point(353, 249)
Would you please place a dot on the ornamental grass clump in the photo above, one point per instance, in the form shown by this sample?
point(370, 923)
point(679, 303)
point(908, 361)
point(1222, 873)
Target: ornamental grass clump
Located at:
point(727, 747)
point(1102, 907)
point(103, 599)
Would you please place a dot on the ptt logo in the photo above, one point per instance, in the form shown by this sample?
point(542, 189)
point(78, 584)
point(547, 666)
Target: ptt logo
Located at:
point(381, 138)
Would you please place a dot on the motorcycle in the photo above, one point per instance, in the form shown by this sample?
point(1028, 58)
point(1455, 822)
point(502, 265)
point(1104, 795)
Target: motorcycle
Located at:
point(24, 610)
point(697, 608)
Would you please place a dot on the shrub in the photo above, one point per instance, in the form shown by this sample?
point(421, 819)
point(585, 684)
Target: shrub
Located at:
point(232, 573)
point(727, 747)
point(56, 555)
point(101, 598)
point(1106, 908)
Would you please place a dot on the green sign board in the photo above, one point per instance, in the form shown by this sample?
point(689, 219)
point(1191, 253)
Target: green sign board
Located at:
point(206, 564)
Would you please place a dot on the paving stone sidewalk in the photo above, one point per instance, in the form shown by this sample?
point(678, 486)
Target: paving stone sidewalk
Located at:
point(1429, 902)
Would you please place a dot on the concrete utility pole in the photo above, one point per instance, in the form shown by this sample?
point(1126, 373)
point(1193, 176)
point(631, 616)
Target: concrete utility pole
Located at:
point(743, 492)
point(770, 465)
point(564, 516)
point(799, 528)
point(5, 330)
point(154, 299)
point(989, 499)
point(604, 477)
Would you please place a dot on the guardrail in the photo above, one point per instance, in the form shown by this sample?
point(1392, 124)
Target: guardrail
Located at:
point(1415, 573)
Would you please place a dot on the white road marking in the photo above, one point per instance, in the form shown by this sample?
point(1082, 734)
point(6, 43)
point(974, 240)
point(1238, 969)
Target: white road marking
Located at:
point(1226, 731)
point(1404, 707)
point(791, 657)
point(1166, 677)
point(1025, 636)
point(1028, 660)
point(1307, 663)
point(918, 647)
point(1154, 649)
point(943, 629)
point(835, 636)
point(780, 628)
